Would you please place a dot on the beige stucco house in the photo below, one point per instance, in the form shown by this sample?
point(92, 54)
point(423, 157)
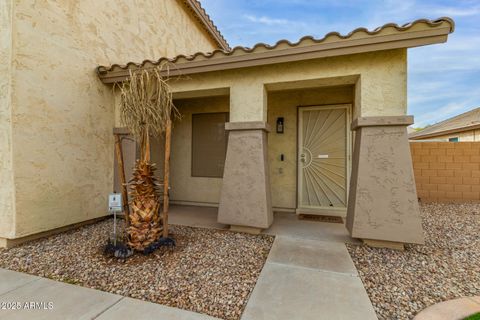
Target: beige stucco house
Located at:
point(464, 127)
point(56, 116)
point(312, 127)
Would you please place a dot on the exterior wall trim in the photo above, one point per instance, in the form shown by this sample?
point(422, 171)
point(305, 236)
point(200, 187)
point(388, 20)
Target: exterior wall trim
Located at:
point(382, 121)
point(247, 125)
point(121, 130)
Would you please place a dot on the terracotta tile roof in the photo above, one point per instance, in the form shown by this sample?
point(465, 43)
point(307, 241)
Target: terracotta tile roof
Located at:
point(305, 44)
point(198, 12)
point(465, 121)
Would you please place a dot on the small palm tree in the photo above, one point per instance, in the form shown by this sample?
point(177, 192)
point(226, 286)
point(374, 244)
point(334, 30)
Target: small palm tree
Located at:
point(146, 109)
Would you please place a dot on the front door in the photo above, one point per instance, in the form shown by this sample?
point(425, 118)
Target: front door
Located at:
point(322, 160)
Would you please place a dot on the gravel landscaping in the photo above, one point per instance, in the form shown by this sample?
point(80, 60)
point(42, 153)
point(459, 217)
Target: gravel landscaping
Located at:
point(209, 271)
point(401, 284)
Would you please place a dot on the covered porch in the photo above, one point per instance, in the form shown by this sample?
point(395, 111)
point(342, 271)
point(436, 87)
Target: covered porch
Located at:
point(300, 123)
point(316, 127)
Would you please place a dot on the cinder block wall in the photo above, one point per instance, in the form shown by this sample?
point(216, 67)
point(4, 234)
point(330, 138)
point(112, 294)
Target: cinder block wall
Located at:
point(447, 171)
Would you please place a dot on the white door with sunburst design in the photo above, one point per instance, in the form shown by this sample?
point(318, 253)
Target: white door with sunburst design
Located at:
point(322, 160)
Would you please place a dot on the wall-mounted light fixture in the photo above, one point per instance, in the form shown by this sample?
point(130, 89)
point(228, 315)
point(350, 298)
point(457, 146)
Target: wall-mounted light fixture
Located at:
point(280, 125)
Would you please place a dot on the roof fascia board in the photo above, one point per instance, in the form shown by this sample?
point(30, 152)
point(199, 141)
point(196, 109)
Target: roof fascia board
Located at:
point(325, 46)
point(321, 50)
point(207, 23)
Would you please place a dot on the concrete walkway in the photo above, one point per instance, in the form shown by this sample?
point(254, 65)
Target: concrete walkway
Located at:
point(57, 300)
point(308, 274)
point(308, 279)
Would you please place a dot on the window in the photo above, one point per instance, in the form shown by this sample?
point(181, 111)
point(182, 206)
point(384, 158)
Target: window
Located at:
point(454, 139)
point(209, 144)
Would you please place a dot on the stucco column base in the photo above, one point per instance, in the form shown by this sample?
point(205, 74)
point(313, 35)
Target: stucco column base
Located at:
point(382, 203)
point(244, 229)
point(384, 244)
point(245, 196)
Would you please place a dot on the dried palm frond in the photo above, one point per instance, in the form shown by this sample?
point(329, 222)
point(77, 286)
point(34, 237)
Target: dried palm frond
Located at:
point(146, 101)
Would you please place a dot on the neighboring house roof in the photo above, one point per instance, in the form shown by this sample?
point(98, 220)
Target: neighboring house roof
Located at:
point(463, 122)
point(389, 36)
point(196, 9)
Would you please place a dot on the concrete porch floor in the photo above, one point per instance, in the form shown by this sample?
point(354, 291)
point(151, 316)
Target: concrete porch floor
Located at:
point(284, 224)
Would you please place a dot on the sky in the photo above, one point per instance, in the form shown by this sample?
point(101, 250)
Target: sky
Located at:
point(443, 79)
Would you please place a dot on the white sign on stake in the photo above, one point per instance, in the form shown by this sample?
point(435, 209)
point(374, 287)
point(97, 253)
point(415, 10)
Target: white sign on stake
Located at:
point(115, 202)
point(115, 205)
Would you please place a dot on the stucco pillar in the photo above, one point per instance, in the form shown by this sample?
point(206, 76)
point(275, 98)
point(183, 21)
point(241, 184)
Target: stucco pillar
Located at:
point(382, 203)
point(245, 201)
